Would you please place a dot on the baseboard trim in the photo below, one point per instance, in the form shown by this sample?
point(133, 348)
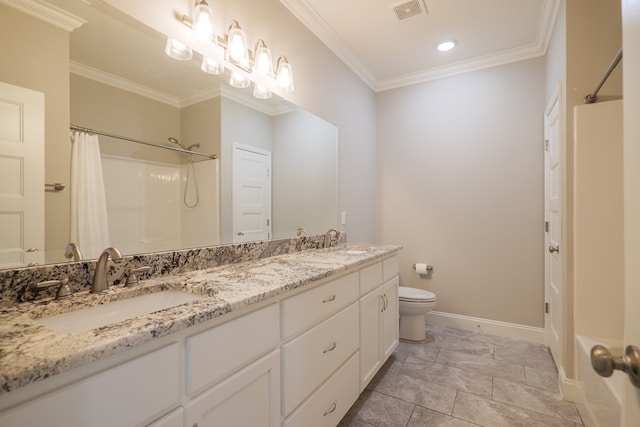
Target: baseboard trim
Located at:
point(568, 387)
point(487, 326)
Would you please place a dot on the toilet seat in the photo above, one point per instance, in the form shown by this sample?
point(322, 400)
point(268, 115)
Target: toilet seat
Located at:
point(415, 295)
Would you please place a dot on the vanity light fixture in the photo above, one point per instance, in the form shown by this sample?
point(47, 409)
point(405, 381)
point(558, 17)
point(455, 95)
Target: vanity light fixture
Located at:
point(178, 50)
point(239, 79)
point(203, 25)
point(236, 41)
point(211, 66)
point(284, 74)
point(446, 45)
point(263, 61)
point(261, 92)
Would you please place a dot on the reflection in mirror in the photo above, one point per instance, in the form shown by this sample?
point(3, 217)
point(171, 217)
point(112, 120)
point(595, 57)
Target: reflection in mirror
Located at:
point(162, 200)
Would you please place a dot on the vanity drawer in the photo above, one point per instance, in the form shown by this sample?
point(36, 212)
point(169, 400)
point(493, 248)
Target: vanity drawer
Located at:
point(370, 278)
point(330, 403)
point(301, 311)
point(214, 353)
point(309, 359)
point(390, 268)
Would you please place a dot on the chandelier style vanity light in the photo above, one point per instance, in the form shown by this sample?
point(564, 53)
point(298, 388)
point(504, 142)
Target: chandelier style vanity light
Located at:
point(245, 65)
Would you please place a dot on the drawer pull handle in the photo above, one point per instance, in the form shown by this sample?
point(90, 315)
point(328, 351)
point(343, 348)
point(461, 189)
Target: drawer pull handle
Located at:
point(330, 348)
point(329, 299)
point(333, 407)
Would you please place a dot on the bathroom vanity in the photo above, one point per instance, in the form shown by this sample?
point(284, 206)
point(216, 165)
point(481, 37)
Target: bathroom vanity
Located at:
point(287, 340)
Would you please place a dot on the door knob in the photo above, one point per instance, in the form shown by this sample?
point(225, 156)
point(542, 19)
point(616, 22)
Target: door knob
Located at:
point(604, 363)
point(553, 249)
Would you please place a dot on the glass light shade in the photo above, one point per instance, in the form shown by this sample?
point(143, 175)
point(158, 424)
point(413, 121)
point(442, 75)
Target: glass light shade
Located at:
point(261, 92)
point(285, 76)
point(237, 46)
point(178, 50)
point(239, 80)
point(204, 28)
point(211, 66)
point(263, 62)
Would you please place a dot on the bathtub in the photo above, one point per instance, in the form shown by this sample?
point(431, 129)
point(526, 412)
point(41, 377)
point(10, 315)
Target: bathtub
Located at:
point(599, 399)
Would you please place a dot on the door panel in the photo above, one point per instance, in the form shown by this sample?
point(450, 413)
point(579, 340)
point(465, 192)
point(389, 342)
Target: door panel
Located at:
point(251, 194)
point(21, 176)
point(553, 234)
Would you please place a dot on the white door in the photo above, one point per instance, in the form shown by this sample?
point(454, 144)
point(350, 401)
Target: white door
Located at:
point(21, 176)
point(631, 85)
point(553, 231)
point(251, 194)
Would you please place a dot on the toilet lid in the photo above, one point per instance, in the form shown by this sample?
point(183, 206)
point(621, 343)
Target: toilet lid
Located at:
point(413, 294)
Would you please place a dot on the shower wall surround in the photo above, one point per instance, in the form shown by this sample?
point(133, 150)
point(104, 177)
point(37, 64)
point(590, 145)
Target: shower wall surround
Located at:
point(16, 285)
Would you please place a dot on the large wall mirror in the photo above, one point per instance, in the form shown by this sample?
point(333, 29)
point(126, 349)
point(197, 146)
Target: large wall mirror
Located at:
point(275, 172)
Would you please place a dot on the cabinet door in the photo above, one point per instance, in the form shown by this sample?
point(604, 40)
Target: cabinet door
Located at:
point(251, 397)
point(390, 319)
point(130, 394)
point(370, 323)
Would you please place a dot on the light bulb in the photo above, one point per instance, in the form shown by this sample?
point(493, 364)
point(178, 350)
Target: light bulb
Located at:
point(239, 80)
point(203, 27)
point(178, 50)
point(211, 66)
point(261, 92)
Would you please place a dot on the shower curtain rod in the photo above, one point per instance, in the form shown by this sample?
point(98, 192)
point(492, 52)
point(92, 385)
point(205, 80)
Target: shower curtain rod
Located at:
point(591, 98)
point(124, 138)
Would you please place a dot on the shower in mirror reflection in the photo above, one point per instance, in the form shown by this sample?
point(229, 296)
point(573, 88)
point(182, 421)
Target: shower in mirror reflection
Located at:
point(89, 225)
point(191, 175)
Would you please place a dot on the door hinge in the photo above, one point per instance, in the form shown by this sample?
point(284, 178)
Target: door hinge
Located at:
point(546, 307)
point(268, 221)
point(546, 145)
point(546, 226)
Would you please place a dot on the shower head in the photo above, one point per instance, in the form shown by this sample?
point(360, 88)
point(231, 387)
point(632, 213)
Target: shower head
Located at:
point(175, 141)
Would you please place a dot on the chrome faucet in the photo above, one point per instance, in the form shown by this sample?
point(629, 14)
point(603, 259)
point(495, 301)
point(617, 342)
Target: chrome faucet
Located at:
point(327, 237)
point(100, 282)
point(73, 251)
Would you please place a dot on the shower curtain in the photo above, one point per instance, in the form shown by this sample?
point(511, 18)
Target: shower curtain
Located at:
point(89, 227)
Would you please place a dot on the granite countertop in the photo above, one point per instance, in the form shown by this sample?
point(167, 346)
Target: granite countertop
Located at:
point(30, 352)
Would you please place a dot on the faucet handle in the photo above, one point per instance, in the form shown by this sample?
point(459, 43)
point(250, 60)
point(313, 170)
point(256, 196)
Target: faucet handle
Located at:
point(64, 291)
point(132, 278)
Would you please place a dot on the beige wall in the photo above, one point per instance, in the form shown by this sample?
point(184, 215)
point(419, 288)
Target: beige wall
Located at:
point(37, 58)
point(460, 177)
point(109, 109)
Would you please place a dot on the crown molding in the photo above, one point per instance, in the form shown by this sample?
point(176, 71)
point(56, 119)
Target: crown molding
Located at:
point(47, 12)
point(318, 26)
point(302, 10)
point(475, 64)
point(120, 83)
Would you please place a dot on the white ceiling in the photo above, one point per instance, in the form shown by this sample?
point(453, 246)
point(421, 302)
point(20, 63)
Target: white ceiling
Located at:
point(387, 53)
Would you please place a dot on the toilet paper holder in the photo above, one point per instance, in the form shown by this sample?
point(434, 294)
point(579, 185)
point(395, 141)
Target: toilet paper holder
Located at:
point(429, 267)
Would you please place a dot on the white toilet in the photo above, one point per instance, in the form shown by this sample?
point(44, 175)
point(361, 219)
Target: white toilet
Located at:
point(414, 304)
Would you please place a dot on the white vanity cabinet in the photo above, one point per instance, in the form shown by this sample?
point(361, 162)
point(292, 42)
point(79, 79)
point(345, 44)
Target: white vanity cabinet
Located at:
point(299, 360)
point(379, 321)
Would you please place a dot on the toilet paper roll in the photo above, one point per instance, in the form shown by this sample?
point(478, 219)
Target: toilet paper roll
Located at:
point(421, 268)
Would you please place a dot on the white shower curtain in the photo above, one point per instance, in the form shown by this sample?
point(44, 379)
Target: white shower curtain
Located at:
point(89, 227)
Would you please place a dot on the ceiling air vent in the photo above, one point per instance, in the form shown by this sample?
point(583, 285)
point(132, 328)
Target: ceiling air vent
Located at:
point(410, 9)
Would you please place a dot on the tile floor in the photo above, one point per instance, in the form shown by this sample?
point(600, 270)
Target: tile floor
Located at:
point(459, 378)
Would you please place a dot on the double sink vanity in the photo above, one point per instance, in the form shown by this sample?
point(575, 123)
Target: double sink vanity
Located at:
point(288, 338)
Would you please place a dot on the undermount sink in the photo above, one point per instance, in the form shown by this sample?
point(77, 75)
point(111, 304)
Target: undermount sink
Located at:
point(117, 311)
point(355, 252)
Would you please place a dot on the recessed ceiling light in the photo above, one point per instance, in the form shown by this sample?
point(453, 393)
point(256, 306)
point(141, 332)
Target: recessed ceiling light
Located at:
point(446, 45)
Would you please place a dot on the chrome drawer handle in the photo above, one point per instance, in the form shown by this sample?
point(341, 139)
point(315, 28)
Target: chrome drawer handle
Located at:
point(329, 299)
point(333, 407)
point(330, 348)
